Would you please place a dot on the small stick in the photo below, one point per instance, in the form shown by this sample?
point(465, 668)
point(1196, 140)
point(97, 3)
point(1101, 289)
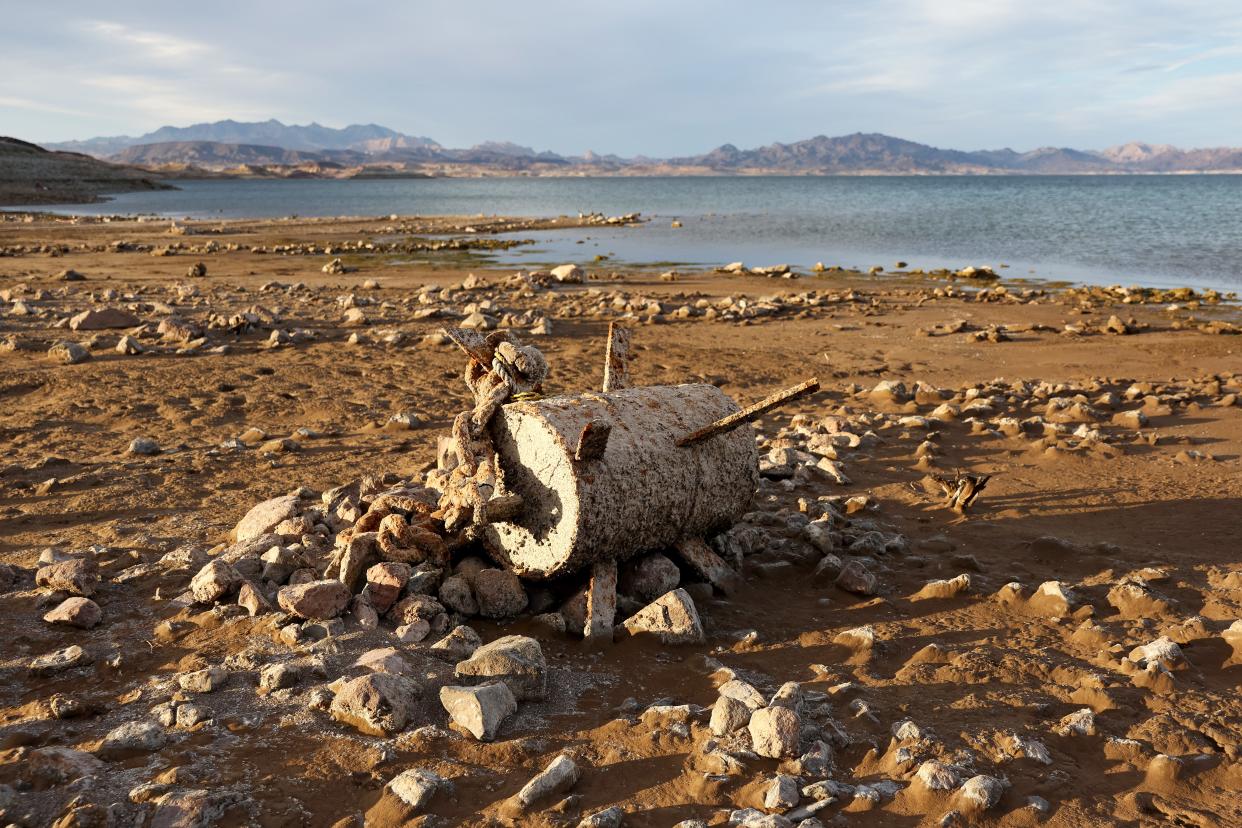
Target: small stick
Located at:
point(751, 413)
point(617, 359)
point(593, 440)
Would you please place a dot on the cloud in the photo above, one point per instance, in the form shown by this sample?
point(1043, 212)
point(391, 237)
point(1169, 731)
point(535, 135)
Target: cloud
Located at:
point(644, 77)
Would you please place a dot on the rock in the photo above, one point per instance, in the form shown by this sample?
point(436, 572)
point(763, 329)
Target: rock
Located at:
point(252, 599)
point(129, 346)
point(514, 659)
point(1233, 637)
point(385, 582)
point(559, 776)
point(936, 776)
point(414, 789)
point(1079, 723)
point(70, 275)
point(456, 594)
point(79, 576)
point(196, 271)
point(949, 588)
point(69, 353)
point(774, 732)
point(569, 274)
point(1137, 600)
point(1133, 420)
point(481, 709)
point(203, 681)
point(459, 644)
point(60, 660)
point(607, 818)
point(979, 793)
point(58, 765)
point(857, 579)
point(500, 593)
point(412, 633)
point(782, 793)
point(192, 809)
point(334, 268)
point(277, 677)
point(728, 714)
point(649, 577)
point(132, 737)
point(143, 446)
point(1162, 651)
point(379, 704)
point(264, 517)
point(384, 660)
point(1052, 599)
point(744, 692)
point(672, 618)
point(414, 608)
point(77, 611)
point(98, 319)
point(318, 600)
point(214, 581)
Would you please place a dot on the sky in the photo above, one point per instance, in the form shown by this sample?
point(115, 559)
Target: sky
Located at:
point(664, 78)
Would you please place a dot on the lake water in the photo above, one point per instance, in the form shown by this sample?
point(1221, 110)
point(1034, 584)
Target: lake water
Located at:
point(1150, 230)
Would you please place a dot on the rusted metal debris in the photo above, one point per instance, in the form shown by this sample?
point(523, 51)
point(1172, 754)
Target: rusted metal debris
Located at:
point(751, 413)
point(593, 440)
point(617, 358)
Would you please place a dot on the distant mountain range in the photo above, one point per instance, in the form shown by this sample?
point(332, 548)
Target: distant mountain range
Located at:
point(30, 174)
point(273, 148)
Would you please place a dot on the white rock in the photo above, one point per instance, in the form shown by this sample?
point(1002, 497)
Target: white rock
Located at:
point(480, 710)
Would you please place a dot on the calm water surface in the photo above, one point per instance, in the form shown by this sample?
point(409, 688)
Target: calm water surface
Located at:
point(1152, 230)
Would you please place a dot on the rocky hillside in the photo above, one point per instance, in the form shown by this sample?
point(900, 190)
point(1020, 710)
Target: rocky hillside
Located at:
point(30, 174)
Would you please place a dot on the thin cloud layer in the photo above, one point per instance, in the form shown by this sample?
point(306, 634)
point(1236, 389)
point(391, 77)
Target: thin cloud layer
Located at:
point(651, 78)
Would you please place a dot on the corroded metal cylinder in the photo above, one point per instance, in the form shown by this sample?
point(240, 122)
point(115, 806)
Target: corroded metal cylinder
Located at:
point(642, 493)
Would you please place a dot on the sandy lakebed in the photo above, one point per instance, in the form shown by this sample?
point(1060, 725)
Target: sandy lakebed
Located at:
point(1068, 652)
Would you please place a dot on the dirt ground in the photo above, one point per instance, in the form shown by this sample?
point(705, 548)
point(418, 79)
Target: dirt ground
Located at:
point(987, 674)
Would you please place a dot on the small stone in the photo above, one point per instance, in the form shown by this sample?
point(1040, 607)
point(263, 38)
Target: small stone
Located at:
point(979, 793)
point(728, 714)
point(412, 633)
point(456, 594)
point(69, 353)
point(1053, 599)
point(480, 710)
point(560, 775)
point(132, 737)
point(214, 581)
point(1079, 723)
point(517, 660)
point(98, 319)
point(203, 681)
point(936, 776)
point(60, 660)
point(499, 593)
point(379, 704)
point(79, 576)
point(415, 788)
point(129, 346)
point(264, 517)
point(385, 582)
point(649, 577)
point(857, 579)
point(782, 793)
point(607, 818)
point(277, 677)
point(318, 600)
point(79, 612)
point(459, 644)
point(384, 660)
point(774, 732)
point(143, 446)
point(672, 618)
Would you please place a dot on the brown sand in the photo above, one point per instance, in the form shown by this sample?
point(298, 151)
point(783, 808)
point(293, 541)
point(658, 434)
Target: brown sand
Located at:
point(1002, 669)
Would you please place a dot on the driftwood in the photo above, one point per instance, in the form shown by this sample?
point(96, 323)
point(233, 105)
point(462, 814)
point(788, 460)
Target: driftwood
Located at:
point(961, 491)
point(642, 493)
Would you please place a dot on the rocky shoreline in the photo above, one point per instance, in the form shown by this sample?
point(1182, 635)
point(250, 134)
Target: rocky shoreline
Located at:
point(199, 426)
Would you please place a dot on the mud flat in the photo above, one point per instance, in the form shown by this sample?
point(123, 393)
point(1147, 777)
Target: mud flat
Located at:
point(221, 607)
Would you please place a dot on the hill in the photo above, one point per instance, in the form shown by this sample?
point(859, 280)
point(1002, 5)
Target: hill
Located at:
point(30, 174)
